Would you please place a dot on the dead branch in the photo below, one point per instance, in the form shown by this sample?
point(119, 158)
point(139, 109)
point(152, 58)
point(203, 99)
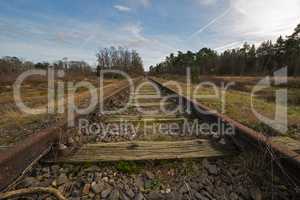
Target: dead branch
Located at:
point(34, 190)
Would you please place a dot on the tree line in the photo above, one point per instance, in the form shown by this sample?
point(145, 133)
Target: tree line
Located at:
point(247, 60)
point(108, 58)
point(120, 58)
point(14, 65)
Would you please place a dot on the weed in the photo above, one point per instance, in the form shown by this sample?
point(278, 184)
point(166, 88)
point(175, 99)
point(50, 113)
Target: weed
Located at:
point(153, 184)
point(263, 128)
point(128, 167)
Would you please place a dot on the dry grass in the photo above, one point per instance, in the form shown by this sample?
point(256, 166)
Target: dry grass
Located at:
point(238, 102)
point(34, 95)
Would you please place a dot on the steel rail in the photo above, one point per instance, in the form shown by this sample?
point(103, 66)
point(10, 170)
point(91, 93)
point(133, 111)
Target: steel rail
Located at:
point(243, 133)
point(15, 159)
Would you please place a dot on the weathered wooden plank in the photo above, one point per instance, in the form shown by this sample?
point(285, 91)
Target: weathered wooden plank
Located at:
point(140, 96)
point(147, 90)
point(147, 87)
point(146, 116)
point(146, 93)
point(287, 142)
point(146, 119)
point(3, 148)
point(148, 100)
point(146, 150)
point(150, 104)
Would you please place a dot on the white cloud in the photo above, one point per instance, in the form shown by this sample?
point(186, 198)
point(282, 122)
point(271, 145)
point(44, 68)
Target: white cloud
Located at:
point(251, 21)
point(39, 41)
point(265, 18)
point(152, 49)
point(134, 29)
point(53, 38)
point(122, 8)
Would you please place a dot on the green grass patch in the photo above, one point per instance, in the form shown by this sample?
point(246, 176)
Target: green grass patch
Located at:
point(128, 167)
point(263, 128)
point(153, 184)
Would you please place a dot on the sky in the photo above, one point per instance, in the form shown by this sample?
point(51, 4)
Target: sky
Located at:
point(49, 30)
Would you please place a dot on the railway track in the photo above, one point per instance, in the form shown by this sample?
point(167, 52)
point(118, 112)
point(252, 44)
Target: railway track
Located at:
point(98, 164)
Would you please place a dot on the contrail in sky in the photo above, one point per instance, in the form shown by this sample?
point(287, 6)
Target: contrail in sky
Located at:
point(210, 23)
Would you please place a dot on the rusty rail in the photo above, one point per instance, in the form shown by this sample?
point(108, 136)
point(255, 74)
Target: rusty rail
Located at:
point(17, 158)
point(290, 158)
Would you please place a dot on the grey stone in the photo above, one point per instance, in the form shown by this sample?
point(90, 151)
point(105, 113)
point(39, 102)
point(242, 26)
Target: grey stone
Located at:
point(114, 195)
point(97, 197)
point(206, 194)
point(242, 191)
point(149, 175)
point(139, 196)
point(45, 183)
point(86, 189)
point(222, 141)
point(168, 190)
point(140, 183)
point(105, 179)
point(199, 196)
point(196, 186)
point(75, 194)
point(219, 191)
point(97, 187)
point(93, 168)
point(62, 147)
point(233, 196)
point(55, 169)
point(71, 141)
point(212, 169)
point(62, 179)
point(74, 198)
point(154, 195)
point(62, 188)
point(256, 194)
point(183, 189)
point(105, 192)
point(90, 177)
point(46, 170)
point(130, 193)
point(173, 196)
point(30, 182)
point(98, 177)
point(124, 196)
point(91, 195)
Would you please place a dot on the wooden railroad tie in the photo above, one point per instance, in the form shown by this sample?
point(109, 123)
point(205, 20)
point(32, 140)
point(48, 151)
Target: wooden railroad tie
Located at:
point(146, 150)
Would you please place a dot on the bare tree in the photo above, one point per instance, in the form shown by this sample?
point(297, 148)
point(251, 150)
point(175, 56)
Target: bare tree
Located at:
point(120, 58)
